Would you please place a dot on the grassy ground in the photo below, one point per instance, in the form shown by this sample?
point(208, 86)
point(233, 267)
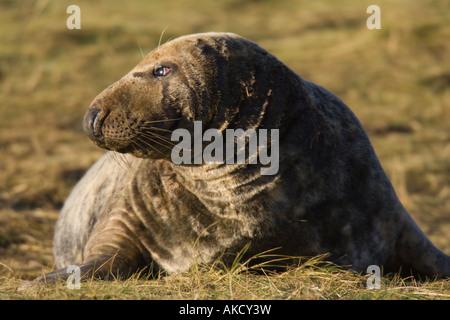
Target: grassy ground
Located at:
point(396, 80)
point(309, 281)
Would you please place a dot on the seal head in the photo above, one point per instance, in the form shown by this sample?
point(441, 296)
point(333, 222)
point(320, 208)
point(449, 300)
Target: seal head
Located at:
point(184, 81)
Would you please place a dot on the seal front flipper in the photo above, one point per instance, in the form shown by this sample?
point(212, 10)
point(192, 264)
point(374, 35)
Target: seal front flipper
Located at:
point(86, 271)
point(102, 267)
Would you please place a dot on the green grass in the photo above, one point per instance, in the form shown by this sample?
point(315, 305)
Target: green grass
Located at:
point(396, 80)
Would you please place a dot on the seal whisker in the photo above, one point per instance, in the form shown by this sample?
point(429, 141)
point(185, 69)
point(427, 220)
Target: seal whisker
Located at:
point(135, 145)
point(157, 129)
point(141, 49)
point(147, 130)
point(120, 159)
point(162, 33)
point(151, 138)
point(149, 144)
point(114, 157)
point(125, 161)
point(161, 120)
point(151, 135)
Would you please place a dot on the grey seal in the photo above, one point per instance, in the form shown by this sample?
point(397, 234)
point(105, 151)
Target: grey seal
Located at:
point(330, 194)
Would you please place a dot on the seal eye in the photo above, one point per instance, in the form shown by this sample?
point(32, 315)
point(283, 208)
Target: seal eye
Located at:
point(161, 71)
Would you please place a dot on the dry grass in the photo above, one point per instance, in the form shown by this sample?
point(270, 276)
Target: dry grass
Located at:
point(312, 280)
point(396, 80)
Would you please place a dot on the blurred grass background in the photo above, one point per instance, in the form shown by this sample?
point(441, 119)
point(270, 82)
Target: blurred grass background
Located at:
point(396, 80)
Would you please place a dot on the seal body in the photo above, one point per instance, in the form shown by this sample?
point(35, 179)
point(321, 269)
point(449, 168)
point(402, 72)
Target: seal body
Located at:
point(330, 194)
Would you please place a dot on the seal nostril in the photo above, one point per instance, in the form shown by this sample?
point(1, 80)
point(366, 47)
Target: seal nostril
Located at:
point(95, 129)
point(92, 122)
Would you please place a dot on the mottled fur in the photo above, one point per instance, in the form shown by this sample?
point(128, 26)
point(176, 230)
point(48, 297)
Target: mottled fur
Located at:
point(330, 194)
